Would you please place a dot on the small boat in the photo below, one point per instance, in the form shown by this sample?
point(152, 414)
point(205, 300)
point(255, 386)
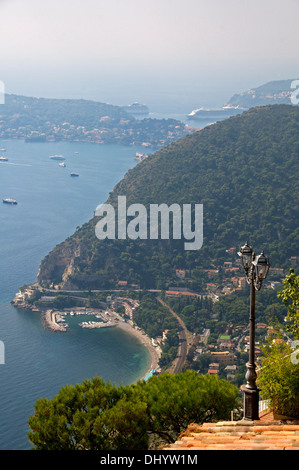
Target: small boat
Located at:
point(57, 157)
point(74, 174)
point(9, 201)
point(3, 159)
point(3, 150)
point(62, 164)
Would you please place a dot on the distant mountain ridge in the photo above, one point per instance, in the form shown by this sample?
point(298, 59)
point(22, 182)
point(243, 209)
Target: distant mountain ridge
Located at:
point(274, 92)
point(244, 171)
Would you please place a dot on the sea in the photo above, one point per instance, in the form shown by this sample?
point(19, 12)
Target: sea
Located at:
point(34, 362)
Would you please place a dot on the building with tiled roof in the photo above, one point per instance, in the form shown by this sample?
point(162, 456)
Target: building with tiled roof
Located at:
point(263, 434)
point(172, 293)
point(224, 357)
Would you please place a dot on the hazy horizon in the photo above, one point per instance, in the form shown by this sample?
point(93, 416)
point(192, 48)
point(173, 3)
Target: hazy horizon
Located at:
point(170, 55)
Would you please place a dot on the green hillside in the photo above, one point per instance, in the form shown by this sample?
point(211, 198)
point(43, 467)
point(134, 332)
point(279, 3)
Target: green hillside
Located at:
point(244, 171)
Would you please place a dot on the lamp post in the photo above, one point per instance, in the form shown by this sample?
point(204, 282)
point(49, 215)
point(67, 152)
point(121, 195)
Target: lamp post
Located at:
point(256, 269)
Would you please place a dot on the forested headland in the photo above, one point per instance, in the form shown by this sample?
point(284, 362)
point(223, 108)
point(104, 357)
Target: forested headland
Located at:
point(244, 171)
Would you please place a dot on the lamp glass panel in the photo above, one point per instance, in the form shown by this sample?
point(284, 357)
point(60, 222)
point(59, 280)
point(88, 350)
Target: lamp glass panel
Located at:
point(246, 261)
point(262, 270)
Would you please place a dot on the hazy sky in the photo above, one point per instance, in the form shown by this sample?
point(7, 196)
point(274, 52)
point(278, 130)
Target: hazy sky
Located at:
point(119, 51)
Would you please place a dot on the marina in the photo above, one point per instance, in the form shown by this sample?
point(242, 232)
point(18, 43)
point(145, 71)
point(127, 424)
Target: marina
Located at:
point(56, 320)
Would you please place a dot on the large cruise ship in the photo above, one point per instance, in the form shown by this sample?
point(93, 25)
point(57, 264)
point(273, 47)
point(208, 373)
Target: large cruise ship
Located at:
point(136, 108)
point(225, 112)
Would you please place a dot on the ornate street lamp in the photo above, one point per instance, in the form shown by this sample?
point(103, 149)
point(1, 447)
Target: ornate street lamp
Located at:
point(256, 269)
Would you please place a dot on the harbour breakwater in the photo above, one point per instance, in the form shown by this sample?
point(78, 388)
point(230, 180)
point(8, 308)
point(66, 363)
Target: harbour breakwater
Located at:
point(50, 323)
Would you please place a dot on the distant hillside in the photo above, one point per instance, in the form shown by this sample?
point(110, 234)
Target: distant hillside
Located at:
point(44, 119)
point(244, 171)
point(276, 92)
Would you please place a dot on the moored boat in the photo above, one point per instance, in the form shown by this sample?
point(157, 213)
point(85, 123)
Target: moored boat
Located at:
point(57, 157)
point(9, 201)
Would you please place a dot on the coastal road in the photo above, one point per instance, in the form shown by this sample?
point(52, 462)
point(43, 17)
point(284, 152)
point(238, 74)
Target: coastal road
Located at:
point(86, 291)
point(183, 344)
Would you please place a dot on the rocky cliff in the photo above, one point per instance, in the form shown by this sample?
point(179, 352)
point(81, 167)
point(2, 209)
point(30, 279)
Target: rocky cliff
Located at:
point(59, 265)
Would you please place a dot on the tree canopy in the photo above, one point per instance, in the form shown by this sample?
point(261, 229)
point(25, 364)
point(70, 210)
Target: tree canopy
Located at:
point(290, 298)
point(278, 376)
point(96, 415)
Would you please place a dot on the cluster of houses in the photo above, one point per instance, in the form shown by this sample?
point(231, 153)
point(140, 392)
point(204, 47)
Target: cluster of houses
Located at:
point(229, 277)
point(223, 354)
point(221, 280)
point(128, 304)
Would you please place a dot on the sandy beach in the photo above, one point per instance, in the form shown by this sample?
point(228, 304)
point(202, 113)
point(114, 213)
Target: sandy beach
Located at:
point(155, 352)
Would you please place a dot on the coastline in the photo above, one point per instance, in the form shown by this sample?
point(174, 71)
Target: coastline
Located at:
point(49, 322)
point(155, 352)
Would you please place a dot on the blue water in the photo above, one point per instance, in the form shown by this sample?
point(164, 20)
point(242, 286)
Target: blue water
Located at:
point(51, 205)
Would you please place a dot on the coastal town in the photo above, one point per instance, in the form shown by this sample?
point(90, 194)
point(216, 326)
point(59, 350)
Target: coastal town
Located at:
point(214, 350)
point(91, 122)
